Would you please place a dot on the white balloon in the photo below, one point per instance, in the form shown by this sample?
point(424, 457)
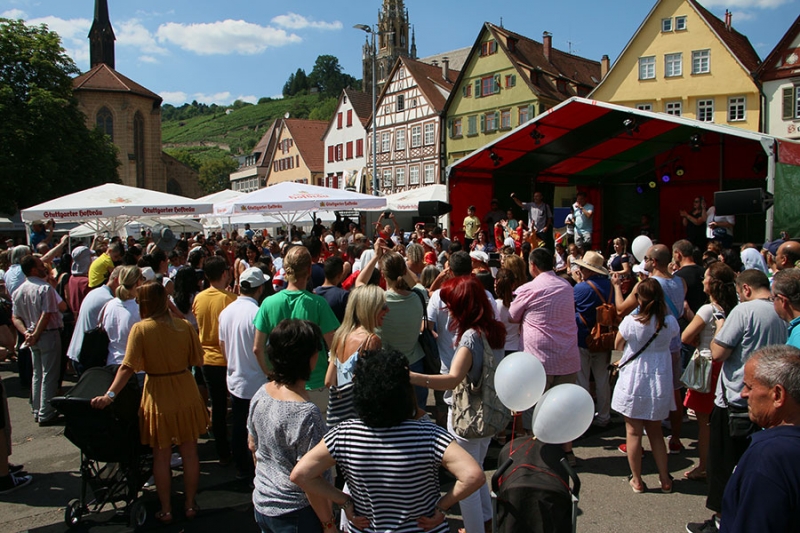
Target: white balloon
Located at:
point(640, 245)
point(519, 380)
point(563, 414)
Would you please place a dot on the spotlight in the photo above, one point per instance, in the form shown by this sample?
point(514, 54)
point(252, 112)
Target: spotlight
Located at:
point(665, 178)
point(680, 171)
point(537, 136)
point(652, 184)
point(495, 158)
point(639, 189)
point(631, 126)
point(695, 142)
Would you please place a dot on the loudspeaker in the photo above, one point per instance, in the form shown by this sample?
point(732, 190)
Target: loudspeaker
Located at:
point(742, 202)
point(434, 208)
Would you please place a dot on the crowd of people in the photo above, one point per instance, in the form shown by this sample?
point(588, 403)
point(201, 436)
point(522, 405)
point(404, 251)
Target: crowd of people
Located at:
point(313, 341)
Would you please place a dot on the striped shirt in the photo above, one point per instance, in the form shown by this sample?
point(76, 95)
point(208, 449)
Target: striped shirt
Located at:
point(546, 309)
point(392, 473)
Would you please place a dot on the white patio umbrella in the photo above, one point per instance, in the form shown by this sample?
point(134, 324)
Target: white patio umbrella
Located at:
point(289, 202)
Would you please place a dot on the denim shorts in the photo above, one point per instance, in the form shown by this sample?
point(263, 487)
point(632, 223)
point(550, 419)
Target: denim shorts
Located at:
point(300, 521)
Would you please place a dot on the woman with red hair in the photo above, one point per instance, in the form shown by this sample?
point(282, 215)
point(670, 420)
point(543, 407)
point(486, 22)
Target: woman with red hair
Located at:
point(476, 330)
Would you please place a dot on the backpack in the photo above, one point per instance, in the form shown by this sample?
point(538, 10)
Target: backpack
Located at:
point(604, 332)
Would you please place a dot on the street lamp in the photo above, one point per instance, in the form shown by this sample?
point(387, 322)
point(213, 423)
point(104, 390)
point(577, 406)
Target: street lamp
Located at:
point(375, 183)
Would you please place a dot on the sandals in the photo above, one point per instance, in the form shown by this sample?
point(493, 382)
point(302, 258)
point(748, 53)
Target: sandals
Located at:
point(640, 490)
point(695, 475)
point(191, 512)
point(668, 489)
point(165, 517)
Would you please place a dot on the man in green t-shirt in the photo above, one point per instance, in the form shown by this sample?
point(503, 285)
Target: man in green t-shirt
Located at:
point(472, 225)
point(296, 302)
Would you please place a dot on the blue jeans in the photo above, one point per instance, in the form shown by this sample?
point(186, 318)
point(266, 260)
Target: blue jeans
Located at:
point(301, 521)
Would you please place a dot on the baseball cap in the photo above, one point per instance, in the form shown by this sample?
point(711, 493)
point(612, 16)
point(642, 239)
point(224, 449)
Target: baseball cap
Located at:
point(772, 247)
point(252, 277)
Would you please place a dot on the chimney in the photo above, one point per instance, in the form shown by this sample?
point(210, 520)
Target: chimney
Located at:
point(728, 20)
point(605, 64)
point(446, 68)
point(547, 44)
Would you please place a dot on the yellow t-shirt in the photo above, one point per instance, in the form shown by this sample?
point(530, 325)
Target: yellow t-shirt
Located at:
point(99, 270)
point(206, 308)
point(471, 225)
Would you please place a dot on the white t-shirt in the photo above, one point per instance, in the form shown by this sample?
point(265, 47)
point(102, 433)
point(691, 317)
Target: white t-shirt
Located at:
point(118, 319)
point(512, 328)
point(237, 331)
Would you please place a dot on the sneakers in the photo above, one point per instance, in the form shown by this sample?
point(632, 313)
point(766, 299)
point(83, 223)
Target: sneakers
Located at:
point(175, 461)
point(599, 423)
point(10, 483)
point(623, 449)
point(709, 526)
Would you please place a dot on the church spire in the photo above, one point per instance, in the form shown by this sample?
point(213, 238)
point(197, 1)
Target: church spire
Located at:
point(413, 44)
point(101, 36)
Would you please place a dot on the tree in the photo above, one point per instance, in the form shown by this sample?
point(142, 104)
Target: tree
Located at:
point(328, 78)
point(215, 174)
point(325, 109)
point(46, 150)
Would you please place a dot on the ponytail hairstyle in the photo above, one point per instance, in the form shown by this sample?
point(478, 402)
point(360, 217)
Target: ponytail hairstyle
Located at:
point(651, 302)
point(129, 276)
point(393, 268)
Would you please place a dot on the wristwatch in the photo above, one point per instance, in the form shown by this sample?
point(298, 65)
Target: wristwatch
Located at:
point(111, 394)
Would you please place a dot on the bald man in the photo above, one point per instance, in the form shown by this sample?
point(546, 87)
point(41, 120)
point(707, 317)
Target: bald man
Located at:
point(787, 255)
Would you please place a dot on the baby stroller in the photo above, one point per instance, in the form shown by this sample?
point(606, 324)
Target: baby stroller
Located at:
point(114, 464)
point(532, 489)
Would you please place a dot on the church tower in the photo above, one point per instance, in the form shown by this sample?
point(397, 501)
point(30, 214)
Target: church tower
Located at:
point(101, 36)
point(392, 42)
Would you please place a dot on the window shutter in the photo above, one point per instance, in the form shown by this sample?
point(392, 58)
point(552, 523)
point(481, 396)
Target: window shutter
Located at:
point(483, 123)
point(478, 88)
point(450, 128)
point(531, 112)
point(496, 119)
point(788, 103)
point(464, 91)
point(330, 154)
point(494, 47)
point(513, 80)
point(496, 85)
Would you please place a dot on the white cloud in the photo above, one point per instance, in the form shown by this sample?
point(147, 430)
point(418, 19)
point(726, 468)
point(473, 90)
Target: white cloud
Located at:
point(249, 99)
point(223, 98)
point(293, 21)
point(746, 4)
point(133, 33)
point(148, 59)
point(73, 34)
point(173, 97)
point(14, 14)
point(739, 16)
point(224, 37)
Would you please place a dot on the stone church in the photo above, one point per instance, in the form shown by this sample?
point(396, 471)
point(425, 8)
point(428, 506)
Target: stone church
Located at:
point(131, 115)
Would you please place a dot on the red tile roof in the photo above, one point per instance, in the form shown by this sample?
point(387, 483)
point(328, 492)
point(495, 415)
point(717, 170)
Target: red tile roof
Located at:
point(430, 81)
point(266, 144)
point(362, 104)
point(738, 44)
point(104, 78)
point(307, 135)
point(774, 61)
point(529, 54)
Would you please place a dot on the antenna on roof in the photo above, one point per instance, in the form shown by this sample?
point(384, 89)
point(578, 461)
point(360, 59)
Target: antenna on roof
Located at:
point(501, 22)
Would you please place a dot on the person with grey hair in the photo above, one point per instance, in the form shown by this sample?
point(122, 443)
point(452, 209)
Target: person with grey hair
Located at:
point(763, 491)
point(786, 299)
point(14, 276)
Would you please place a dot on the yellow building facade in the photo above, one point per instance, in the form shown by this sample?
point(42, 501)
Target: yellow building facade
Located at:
point(298, 153)
point(685, 61)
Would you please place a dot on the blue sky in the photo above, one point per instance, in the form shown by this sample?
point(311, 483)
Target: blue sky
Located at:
point(219, 51)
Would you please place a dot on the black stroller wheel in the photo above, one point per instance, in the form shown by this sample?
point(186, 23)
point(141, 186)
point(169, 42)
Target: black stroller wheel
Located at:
point(138, 514)
point(73, 513)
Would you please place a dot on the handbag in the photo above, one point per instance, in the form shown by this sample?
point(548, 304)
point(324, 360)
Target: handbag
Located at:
point(431, 361)
point(476, 411)
point(94, 348)
point(614, 368)
point(697, 375)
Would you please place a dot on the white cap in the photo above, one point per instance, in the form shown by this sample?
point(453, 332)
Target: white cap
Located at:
point(148, 274)
point(509, 242)
point(252, 277)
point(329, 239)
point(427, 242)
point(479, 256)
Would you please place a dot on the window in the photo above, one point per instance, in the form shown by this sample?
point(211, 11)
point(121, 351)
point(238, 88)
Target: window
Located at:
point(138, 148)
point(791, 103)
point(666, 24)
point(387, 178)
point(505, 119)
point(401, 102)
point(488, 48)
point(330, 154)
point(647, 68)
point(455, 130)
point(466, 90)
point(488, 85)
point(490, 121)
point(349, 118)
point(385, 141)
point(359, 147)
point(674, 108)
point(705, 110)
point(400, 140)
point(413, 175)
point(105, 122)
point(644, 107)
point(701, 61)
point(400, 176)
point(349, 149)
point(429, 131)
point(339, 121)
point(736, 108)
point(416, 136)
point(511, 80)
point(339, 154)
point(524, 115)
point(472, 125)
point(673, 65)
point(680, 23)
point(429, 174)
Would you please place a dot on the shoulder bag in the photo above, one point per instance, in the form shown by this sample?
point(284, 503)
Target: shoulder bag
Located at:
point(432, 361)
point(477, 412)
point(94, 348)
point(614, 368)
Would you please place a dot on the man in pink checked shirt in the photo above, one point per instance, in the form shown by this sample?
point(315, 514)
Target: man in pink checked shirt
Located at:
point(546, 309)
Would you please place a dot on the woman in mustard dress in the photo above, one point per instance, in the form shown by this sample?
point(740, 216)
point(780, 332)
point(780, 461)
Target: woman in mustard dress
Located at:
point(172, 411)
